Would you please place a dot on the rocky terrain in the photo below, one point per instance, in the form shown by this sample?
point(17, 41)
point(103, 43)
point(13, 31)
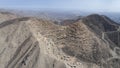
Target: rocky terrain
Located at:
point(28, 42)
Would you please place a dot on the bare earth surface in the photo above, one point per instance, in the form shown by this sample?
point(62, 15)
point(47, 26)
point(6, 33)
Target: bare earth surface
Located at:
point(38, 43)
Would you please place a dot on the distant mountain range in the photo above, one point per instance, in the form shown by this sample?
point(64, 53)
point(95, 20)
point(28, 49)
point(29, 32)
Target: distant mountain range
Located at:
point(60, 15)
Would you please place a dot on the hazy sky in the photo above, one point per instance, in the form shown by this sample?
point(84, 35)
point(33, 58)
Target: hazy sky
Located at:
point(84, 5)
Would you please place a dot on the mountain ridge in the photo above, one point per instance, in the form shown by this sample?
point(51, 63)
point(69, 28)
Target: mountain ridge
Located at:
point(38, 43)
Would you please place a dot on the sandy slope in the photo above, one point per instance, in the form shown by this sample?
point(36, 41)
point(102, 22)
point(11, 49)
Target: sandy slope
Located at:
point(38, 43)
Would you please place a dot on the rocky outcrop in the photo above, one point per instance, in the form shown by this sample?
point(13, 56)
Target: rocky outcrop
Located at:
point(38, 43)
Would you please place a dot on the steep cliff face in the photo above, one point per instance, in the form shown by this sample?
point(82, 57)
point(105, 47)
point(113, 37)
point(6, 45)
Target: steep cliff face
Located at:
point(38, 43)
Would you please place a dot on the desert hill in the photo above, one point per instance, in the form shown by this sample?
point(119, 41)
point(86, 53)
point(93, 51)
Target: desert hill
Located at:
point(29, 42)
point(6, 16)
